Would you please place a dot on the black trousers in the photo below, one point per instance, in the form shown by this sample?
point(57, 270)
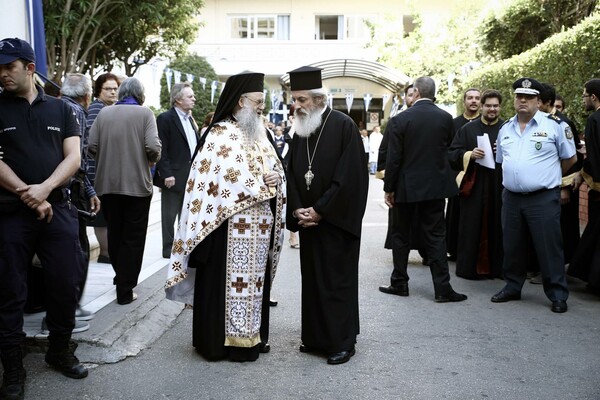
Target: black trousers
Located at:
point(433, 228)
point(57, 245)
point(127, 223)
point(538, 214)
point(170, 208)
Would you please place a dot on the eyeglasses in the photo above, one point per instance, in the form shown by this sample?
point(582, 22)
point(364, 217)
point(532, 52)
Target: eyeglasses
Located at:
point(260, 102)
point(110, 89)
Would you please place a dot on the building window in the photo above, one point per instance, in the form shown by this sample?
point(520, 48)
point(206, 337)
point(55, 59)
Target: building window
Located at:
point(328, 27)
point(275, 27)
point(341, 27)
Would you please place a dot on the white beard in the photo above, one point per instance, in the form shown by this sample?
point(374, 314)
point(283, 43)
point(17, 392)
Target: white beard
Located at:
point(250, 123)
point(305, 124)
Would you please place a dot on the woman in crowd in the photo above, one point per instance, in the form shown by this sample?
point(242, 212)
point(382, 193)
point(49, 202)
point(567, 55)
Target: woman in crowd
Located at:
point(124, 141)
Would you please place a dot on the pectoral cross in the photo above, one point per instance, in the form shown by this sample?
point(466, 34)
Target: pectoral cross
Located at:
point(308, 177)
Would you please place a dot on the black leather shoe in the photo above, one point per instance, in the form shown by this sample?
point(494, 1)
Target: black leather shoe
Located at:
point(127, 300)
point(15, 391)
point(305, 349)
point(67, 364)
point(341, 357)
point(503, 296)
point(451, 297)
point(559, 306)
point(401, 290)
point(264, 347)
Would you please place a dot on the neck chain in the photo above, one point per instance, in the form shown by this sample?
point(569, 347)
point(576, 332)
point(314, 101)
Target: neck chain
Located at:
point(309, 175)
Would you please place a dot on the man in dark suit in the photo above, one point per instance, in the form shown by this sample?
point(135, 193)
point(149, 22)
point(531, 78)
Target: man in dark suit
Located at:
point(178, 133)
point(416, 176)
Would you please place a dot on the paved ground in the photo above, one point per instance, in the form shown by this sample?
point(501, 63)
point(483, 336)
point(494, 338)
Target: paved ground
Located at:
point(409, 348)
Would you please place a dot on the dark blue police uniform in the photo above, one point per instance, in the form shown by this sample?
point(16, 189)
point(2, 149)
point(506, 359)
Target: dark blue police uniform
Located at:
point(31, 136)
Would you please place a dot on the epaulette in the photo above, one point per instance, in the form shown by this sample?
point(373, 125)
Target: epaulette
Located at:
point(555, 118)
point(506, 122)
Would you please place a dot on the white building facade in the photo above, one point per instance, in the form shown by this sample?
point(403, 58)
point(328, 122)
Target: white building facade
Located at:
point(276, 36)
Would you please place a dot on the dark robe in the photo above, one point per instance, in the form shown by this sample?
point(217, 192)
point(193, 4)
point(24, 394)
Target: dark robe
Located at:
point(209, 260)
point(329, 252)
point(453, 206)
point(569, 213)
point(479, 229)
point(201, 277)
point(585, 264)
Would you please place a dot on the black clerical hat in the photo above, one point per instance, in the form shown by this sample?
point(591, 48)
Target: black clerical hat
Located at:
point(235, 87)
point(527, 86)
point(247, 82)
point(305, 78)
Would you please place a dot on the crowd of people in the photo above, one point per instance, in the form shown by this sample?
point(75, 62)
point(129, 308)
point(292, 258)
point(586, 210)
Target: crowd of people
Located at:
point(512, 207)
point(499, 197)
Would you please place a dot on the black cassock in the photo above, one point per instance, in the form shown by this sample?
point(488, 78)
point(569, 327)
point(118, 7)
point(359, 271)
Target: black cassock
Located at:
point(569, 213)
point(329, 252)
point(479, 229)
point(453, 205)
point(586, 261)
point(209, 258)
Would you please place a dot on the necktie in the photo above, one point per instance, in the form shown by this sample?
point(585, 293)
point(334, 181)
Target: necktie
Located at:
point(190, 133)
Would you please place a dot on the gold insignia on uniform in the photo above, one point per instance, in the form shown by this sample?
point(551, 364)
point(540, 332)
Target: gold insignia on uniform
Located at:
point(526, 83)
point(569, 133)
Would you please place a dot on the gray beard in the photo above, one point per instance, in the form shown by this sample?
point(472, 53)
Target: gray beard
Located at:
point(306, 124)
point(250, 123)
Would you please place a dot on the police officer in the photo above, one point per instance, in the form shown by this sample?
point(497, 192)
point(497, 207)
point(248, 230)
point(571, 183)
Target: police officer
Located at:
point(40, 139)
point(535, 149)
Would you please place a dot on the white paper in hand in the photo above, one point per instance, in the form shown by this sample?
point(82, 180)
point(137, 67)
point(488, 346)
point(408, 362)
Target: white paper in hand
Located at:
point(483, 142)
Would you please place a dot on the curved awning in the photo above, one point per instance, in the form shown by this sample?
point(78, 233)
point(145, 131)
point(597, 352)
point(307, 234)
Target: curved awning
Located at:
point(391, 79)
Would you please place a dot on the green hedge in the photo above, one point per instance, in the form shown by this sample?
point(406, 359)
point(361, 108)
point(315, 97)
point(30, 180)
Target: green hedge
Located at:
point(566, 60)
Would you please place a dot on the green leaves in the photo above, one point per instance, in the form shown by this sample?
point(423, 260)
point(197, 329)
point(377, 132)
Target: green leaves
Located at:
point(566, 60)
point(527, 23)
point(82, 35)
point(199, 67)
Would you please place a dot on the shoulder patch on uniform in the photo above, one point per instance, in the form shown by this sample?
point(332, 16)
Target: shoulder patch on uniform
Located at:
point(569, 133)
point(555, 118)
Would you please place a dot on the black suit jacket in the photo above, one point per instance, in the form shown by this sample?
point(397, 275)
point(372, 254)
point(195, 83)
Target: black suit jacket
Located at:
point(417, 166)
point(175, 157)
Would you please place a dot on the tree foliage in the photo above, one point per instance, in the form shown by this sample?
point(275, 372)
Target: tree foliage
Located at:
point(527, 23)
point(83, 35)
point(447, 51)
point(199, 67)
point(566, 60)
